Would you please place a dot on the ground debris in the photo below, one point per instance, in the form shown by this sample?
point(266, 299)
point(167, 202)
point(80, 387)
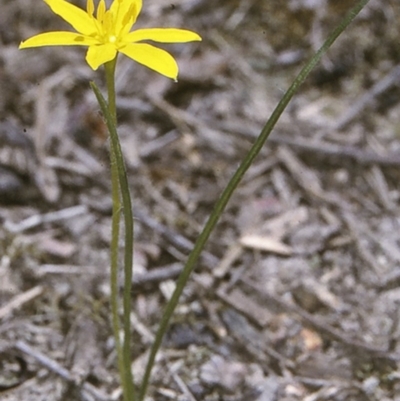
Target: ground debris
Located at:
point(296, 296)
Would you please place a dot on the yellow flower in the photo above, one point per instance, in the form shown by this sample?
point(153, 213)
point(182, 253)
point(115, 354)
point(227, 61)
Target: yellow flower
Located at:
point(109, 32)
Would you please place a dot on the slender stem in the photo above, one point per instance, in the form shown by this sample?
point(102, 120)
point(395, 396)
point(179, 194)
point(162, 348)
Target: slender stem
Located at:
point(115, 228)
point(232, 185)
point(110, 81)
point(120, 181)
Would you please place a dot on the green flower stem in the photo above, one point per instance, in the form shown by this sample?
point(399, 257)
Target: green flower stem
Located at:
point(232, 185)
point(119, 182)
point(115, 228)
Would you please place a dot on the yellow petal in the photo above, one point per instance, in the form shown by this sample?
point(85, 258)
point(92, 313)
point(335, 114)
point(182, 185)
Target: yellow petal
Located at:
point(76, 17)
point(125, 13)
point(98, 55)
point(152, 57)
point(101, 10)
point(162, 35)
point(90, 7)
point(58, 39)
point(138, 6)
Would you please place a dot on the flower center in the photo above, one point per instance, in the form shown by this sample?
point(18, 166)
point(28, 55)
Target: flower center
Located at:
point(112, 38)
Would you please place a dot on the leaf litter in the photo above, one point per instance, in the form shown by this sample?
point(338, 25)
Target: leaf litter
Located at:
point(297, 294)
